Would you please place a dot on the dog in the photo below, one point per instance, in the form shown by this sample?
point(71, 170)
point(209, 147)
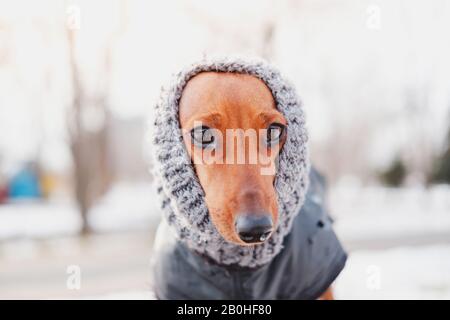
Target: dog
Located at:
point(243, 231)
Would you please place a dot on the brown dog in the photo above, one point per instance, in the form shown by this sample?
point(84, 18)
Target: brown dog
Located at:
point(242, 202)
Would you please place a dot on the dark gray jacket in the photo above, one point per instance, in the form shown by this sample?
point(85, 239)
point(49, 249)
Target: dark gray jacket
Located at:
point(310, 261)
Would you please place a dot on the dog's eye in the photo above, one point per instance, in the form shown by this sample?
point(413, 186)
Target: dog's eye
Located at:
point(274, 133)
point(202, 136)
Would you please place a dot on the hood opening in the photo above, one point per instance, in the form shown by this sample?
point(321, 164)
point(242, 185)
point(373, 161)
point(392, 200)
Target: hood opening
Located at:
point(181, 195)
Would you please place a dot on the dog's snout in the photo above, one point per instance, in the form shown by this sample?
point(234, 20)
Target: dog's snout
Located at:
point(252, 228)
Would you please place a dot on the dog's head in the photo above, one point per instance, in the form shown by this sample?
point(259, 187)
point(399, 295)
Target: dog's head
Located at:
point(234, 133)
point(243, 185)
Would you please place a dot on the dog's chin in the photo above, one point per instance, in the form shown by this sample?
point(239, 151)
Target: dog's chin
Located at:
point(237, 241)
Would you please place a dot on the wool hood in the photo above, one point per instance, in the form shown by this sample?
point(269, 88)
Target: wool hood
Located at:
point(181, 195)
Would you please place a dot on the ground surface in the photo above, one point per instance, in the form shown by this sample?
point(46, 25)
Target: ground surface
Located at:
point(399, 244)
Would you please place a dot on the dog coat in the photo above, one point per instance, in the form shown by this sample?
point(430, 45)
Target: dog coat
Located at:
point(189, 246)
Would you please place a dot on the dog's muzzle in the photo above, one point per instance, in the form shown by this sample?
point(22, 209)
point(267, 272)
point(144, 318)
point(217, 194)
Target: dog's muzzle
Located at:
point(253, 228)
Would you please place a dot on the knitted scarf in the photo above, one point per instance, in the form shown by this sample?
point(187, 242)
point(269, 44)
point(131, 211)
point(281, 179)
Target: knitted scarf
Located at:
point(182, 196)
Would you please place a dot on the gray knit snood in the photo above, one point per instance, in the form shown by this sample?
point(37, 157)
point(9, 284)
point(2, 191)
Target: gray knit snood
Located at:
point(182, 197)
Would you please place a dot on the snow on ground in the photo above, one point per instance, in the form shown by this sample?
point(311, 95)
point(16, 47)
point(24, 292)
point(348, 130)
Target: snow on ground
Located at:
point(400, 273)
point(125, 295)
point(108, 263)
point(115, 264)
point(38, 219)
point(124, 207)
point(360, 213)
point(381, 213)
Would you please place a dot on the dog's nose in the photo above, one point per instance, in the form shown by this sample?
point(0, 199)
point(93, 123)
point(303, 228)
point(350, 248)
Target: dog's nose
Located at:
point(253, 228)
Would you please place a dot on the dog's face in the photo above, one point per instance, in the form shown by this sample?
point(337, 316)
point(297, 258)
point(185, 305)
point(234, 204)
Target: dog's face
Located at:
point(233, 134)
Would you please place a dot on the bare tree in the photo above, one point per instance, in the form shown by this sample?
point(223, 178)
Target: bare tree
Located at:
point(88, 119)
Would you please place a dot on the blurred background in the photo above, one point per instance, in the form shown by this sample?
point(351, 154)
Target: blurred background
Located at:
point(78, 80)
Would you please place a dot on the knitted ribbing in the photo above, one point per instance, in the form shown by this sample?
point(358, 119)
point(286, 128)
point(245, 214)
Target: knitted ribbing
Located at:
point(182, 197)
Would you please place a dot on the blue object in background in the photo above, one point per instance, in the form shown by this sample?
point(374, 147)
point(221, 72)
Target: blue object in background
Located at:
point(24, 184)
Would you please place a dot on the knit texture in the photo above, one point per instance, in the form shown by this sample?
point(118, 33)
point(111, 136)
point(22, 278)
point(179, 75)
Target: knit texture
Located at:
point(182, 197)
